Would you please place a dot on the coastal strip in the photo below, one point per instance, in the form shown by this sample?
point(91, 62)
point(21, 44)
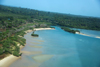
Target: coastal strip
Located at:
point(36, 29)
point(7, 61)
point(44, 29)
point(82, 34)
point(87, 35)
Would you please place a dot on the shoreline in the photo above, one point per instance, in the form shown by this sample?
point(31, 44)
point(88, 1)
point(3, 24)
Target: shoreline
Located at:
point(36, 29)
point(7, 61)
point(87, 35)
point(43, 29)
point(82, 34)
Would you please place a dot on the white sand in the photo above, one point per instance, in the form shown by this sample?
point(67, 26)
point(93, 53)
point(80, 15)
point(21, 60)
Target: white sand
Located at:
point(87, 35)
point(97, 37)
point(42, 58)
point(43, 28)
point(28, 31)
point(8, 60)
point(19, 36)
point(82, 34)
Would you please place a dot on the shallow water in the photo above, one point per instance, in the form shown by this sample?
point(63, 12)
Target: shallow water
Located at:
point(60, 49)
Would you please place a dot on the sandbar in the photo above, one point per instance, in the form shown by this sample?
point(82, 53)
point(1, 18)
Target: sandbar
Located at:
point(36, 46)
point(82, 34)
point(42, 58)
point(31, 52)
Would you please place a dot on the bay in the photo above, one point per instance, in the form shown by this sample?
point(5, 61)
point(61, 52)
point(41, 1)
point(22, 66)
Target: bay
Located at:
point(60, 49)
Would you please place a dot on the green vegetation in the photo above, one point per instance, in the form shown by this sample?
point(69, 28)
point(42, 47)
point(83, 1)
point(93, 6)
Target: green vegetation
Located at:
point(13, 24)
point(67, 20)
point(15, 21)
point(10, 45)
point(69, 30)
point(36, 35)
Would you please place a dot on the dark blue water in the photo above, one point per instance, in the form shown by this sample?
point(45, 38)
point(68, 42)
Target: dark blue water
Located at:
point(68, 50)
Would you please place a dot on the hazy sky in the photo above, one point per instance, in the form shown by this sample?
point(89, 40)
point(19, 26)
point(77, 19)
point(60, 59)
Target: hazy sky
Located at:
point(77, 7)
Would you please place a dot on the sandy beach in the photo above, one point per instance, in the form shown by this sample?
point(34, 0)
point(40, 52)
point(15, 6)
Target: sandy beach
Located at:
point(43, 28)
point(28, 31)
point(82, 34)
point(87, 35)
point(7, 61)
point(35, 29)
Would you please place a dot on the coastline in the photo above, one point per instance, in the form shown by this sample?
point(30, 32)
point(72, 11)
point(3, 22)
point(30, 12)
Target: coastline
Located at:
point(36, 29)
point(87, 35)
point(7, 61)
point(82, 34)
point(44, 29)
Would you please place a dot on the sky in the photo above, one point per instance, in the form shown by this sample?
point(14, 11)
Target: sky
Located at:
point(76, 7)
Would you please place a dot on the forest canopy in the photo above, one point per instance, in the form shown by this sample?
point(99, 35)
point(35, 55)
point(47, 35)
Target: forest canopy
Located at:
point(68, 20)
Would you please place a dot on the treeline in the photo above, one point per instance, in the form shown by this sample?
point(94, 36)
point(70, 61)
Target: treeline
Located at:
point(69, 30)
point(11, 40)
point(13, 25)
point(11, 45)
point(68, 20)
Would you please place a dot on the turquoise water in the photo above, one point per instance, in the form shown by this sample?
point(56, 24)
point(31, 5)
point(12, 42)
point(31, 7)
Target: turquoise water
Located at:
point(68, 50)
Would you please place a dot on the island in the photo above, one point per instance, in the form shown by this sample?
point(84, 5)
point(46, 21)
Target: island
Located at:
point(35, 35)
point(70, 30)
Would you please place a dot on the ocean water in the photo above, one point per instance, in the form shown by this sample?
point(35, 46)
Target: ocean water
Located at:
point(57, 48)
